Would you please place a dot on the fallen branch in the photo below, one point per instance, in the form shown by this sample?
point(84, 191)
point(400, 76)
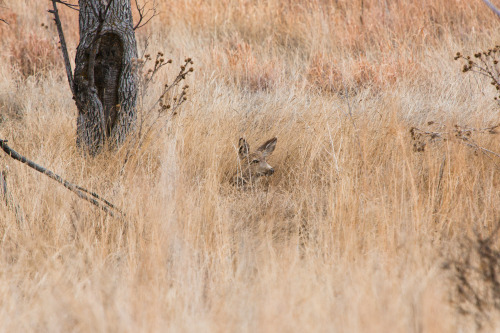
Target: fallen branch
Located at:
point(79, 191)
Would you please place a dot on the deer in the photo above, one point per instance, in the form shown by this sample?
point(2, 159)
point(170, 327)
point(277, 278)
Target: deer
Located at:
point(253, 165)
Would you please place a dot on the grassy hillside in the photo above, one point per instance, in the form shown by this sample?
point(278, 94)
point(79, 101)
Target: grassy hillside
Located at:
point(349, 235)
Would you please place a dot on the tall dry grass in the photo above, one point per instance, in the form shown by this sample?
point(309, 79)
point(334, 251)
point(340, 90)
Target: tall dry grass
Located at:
point(350, 233)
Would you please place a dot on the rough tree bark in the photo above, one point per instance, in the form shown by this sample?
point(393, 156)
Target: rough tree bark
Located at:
point(105, 85)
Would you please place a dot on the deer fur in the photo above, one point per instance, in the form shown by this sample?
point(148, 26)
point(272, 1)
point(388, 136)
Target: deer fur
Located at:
point(253, 165)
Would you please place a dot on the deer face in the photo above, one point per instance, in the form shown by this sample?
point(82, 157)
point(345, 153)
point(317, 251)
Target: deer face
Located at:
point(254, 164)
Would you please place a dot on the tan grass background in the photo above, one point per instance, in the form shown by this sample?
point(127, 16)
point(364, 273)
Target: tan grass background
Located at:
point(353, 228)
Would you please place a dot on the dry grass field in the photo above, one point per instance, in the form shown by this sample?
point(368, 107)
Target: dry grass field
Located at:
point(351, 232)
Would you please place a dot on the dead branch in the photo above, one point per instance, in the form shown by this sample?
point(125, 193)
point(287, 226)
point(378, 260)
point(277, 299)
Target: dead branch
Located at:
point(62, 41)
point(144, 13)
point(67, 4)
point(79, 191)
point(492, 7)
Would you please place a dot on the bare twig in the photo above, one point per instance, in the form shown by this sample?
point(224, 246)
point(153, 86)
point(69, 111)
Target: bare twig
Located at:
point(62, 41)
point(67, 4)
point(144, 13)
point(79, 191)
point(492, 7)
point(145, 48)
point(468, 142)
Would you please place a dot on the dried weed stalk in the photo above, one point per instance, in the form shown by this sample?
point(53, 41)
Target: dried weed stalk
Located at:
point(9, 200)
point(484, 63)
point(164, 107)
point(441, 133)
point(33, 55)
point(476, 277)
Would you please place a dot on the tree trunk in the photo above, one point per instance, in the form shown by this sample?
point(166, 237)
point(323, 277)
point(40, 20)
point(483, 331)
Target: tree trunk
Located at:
point(105, 84)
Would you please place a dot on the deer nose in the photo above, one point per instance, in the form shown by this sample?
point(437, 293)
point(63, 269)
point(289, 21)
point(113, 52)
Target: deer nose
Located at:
point(271, 171)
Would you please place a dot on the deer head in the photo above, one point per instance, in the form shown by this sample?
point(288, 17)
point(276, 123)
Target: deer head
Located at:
point(254, 164)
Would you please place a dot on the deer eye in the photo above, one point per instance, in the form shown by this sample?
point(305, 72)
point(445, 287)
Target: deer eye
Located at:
point(255, 161)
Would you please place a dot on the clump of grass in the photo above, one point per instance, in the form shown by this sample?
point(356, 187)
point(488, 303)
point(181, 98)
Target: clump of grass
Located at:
point(249, 72)
point(34, 55)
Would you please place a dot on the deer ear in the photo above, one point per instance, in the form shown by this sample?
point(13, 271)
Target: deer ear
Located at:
point(268, 147)
point(244, 149)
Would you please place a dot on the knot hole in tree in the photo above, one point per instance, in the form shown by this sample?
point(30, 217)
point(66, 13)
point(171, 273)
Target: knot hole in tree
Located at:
point(107, 70)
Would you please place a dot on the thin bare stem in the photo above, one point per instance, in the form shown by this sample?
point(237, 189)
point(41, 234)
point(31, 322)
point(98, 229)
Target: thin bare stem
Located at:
point(143, 14)
point(461, 133)
point(67, 4)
